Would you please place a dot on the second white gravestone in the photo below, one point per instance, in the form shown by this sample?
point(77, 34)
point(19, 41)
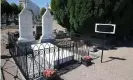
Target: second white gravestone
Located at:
point(47, 27)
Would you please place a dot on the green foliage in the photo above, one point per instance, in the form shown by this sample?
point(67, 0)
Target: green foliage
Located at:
point(80, 16)
point(42, 11)
point(55, 5)
point(60, 11)
point(14, 8)
point(5, 7)
point(20, 7)
point(6, 11)
point(10, 9)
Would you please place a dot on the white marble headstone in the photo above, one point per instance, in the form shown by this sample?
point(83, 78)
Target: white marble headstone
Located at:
point(25, 26)
point(47, 26)
point(31, 6)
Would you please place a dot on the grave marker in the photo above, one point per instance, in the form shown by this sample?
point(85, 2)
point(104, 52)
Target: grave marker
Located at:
point(47, 27)
point(104, 29)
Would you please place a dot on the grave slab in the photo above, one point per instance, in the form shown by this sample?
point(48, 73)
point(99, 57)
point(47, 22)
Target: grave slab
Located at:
point(47, 56)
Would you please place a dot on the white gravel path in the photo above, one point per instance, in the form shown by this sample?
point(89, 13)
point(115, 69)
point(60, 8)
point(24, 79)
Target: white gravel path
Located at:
point(112, 70)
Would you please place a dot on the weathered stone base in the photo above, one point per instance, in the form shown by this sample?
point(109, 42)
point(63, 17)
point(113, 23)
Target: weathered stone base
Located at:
point(25, 40)
point(25, 43)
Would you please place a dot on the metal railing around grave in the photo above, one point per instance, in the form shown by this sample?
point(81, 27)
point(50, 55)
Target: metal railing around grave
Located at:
point(18, 54)
point(32, 60)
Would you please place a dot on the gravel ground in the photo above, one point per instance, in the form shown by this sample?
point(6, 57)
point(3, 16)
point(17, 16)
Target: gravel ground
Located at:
point(8, 66)
point(110, 69)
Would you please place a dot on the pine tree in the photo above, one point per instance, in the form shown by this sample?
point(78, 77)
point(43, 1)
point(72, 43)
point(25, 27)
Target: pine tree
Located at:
point(80, 16)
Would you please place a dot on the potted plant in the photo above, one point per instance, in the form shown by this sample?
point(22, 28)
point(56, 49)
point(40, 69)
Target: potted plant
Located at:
point(86, 60)
point(50, 74)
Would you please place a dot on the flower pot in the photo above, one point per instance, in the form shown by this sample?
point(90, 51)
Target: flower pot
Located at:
point(86, 62)
point(50, 74)
point(50, 78)
point(54, 77)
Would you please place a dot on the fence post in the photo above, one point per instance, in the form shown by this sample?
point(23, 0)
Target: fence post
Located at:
point(39, 51)
point(103, 48)
point(44, 58)
point(33, 57)
point(58, 58)
point(88, 42)
point(73, 50)
point(54, 56)
point(26, 61)
point(49, 57)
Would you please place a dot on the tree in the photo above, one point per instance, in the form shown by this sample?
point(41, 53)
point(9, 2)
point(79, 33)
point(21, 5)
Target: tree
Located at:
point(5, 7)
point(42, 11)
point(6, 10)
point(14, 8)
point(15, 12)
point(20, 7)
point(80, 16)
point(60, 11)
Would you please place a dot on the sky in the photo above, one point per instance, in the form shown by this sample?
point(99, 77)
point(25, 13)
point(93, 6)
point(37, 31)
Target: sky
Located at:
point(40, 3)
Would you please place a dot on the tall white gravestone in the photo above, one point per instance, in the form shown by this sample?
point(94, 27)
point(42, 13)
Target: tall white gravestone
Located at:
point(47, 27)
point(26, 21)
point(25, 26)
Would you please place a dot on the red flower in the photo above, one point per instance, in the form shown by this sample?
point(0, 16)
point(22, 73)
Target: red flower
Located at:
point(87, 57)
point(49, 72)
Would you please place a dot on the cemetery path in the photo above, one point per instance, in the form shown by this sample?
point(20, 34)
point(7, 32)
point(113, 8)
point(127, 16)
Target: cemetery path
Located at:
point(9, 70)
point(117, 65)
point(57, 26)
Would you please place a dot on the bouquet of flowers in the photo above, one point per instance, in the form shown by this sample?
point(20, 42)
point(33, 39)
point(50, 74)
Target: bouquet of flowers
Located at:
point(86, 60)
point(49, 74)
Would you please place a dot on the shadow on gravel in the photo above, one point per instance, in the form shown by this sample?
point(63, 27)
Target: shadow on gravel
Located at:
point(59, 78)
point(68, 67)
point(114, 58)
point(8, 56)
point(92, 63)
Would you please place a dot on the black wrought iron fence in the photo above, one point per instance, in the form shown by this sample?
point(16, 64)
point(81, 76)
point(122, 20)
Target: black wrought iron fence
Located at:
point(18, 54)
point(33, 59)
